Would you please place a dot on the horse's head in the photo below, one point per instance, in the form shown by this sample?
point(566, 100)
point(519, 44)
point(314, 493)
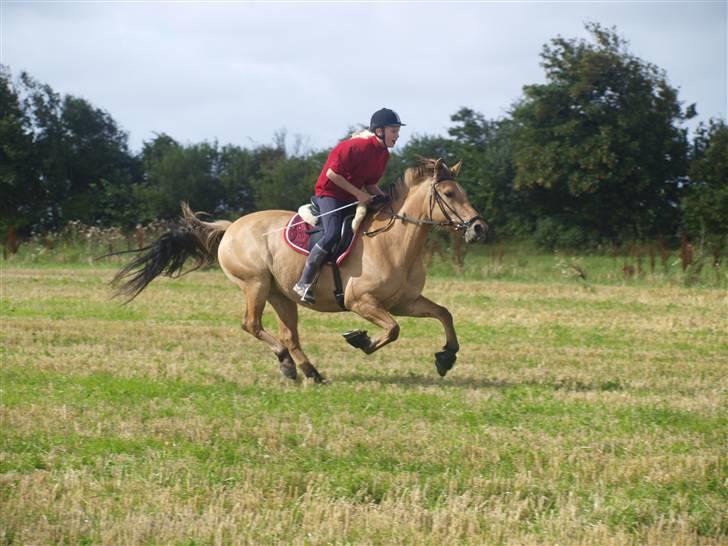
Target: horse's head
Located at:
point(448, 203)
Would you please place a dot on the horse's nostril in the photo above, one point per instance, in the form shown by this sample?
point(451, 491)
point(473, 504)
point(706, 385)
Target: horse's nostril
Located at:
point(479, 228)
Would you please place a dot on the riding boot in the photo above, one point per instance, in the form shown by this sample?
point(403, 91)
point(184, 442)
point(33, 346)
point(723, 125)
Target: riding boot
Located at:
point(306, 284)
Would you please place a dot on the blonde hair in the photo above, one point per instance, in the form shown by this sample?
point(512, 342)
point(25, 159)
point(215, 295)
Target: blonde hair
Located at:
point(362, 133)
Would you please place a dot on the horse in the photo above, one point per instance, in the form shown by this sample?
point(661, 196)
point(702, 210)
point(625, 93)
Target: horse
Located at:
point(383, 275)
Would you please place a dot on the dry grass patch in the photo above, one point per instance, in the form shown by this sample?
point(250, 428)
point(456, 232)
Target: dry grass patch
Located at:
point(571, 417)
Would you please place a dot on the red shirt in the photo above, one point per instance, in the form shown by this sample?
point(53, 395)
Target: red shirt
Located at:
point(360, 160)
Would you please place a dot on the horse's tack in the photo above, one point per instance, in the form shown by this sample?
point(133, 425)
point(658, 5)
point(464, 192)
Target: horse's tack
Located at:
point(435, 197)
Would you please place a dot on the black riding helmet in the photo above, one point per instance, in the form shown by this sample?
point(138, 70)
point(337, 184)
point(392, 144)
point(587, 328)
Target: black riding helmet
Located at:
point(384, 117)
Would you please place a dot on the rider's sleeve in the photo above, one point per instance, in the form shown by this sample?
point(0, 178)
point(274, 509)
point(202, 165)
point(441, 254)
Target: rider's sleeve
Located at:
point(344, 161)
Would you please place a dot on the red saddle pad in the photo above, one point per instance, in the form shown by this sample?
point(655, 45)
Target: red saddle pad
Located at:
point(296, 236)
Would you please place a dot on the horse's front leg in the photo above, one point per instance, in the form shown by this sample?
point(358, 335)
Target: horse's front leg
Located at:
point(422, 307)
point(370, 309)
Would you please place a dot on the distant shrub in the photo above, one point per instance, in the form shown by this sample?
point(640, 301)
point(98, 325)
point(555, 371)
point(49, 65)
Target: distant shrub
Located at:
point(551, 234)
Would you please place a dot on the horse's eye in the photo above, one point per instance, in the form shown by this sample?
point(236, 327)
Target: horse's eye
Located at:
point(449, 194)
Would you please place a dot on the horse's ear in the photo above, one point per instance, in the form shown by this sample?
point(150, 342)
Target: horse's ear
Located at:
point(438, 168)
point(455, 169)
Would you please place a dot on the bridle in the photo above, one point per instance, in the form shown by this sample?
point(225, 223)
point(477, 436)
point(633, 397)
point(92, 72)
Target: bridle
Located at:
point(446, 209)
point(435, 198)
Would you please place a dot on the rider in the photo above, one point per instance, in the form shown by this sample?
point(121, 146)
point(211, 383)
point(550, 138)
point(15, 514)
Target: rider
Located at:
point(353, 164)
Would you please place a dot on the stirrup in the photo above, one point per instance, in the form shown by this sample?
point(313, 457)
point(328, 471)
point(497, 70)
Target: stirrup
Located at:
point(306, 292)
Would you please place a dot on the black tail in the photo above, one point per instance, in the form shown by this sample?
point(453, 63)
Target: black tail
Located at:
point(191, 238)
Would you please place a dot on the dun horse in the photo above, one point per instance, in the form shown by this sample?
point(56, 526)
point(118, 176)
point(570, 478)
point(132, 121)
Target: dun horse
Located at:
point(383, 276)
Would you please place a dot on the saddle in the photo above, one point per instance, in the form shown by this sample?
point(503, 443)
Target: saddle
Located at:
point(304, 230)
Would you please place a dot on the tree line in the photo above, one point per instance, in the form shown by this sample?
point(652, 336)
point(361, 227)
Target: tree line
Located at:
point(598, 154)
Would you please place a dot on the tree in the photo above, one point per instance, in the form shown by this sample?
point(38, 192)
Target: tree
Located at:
point(287, 182)
point(174, 173)
point(71, 156)
point(99, 167)
point(237, 169)
point(42, 107)
point(600, 145)
point(19, 178)
point(705, 203)
point(486, 148)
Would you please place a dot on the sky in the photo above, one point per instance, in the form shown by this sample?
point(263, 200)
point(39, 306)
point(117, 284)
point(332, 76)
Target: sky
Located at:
point(239, 72)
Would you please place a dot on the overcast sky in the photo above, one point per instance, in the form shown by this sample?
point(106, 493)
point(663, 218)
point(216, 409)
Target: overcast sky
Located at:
point(239, 71)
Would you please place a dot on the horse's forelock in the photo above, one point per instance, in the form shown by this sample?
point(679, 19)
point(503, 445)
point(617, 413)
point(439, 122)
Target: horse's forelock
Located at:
point(425, 169)
point(413, 176)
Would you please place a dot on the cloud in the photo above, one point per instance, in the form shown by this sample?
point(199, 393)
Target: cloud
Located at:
point(239, 72)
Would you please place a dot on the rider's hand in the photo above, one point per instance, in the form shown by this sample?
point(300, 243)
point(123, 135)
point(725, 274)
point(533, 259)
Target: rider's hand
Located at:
point(380, 200)
point(364, 198)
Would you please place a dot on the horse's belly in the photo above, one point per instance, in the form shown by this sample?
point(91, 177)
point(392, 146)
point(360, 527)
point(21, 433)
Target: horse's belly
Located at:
point(389, 288)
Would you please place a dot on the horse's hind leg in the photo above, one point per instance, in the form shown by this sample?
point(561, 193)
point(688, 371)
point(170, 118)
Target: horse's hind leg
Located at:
point(288, 327)
point(256, 294)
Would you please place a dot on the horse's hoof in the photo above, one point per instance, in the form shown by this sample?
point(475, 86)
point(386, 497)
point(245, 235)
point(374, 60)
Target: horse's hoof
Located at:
point(288, 369)
point(444, 361)
point(312, 373)
point(358, 339)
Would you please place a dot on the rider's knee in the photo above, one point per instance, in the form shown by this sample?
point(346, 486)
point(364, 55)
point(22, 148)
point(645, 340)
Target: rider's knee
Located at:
point(327, 243)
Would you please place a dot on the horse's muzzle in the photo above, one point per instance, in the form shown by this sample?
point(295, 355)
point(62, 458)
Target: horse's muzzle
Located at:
point(477, 228)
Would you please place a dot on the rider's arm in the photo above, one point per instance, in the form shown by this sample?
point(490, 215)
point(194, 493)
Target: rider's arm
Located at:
point(344, 184)
point(374, 189)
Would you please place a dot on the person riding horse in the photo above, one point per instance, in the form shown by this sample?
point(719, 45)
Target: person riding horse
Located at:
point(352, 166)
point(382, 278)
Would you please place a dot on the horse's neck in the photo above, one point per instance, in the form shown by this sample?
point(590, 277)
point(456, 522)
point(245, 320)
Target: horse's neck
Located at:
point(405, 241)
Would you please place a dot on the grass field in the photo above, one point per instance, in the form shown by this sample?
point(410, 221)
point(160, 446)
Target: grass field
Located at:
point(576, 414)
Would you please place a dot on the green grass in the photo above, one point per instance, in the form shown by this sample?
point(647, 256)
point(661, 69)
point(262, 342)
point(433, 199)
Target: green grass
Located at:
point(573, 416)
point(509, 261)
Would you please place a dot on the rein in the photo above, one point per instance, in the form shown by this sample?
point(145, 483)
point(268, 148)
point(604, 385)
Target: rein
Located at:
point(445, 208)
